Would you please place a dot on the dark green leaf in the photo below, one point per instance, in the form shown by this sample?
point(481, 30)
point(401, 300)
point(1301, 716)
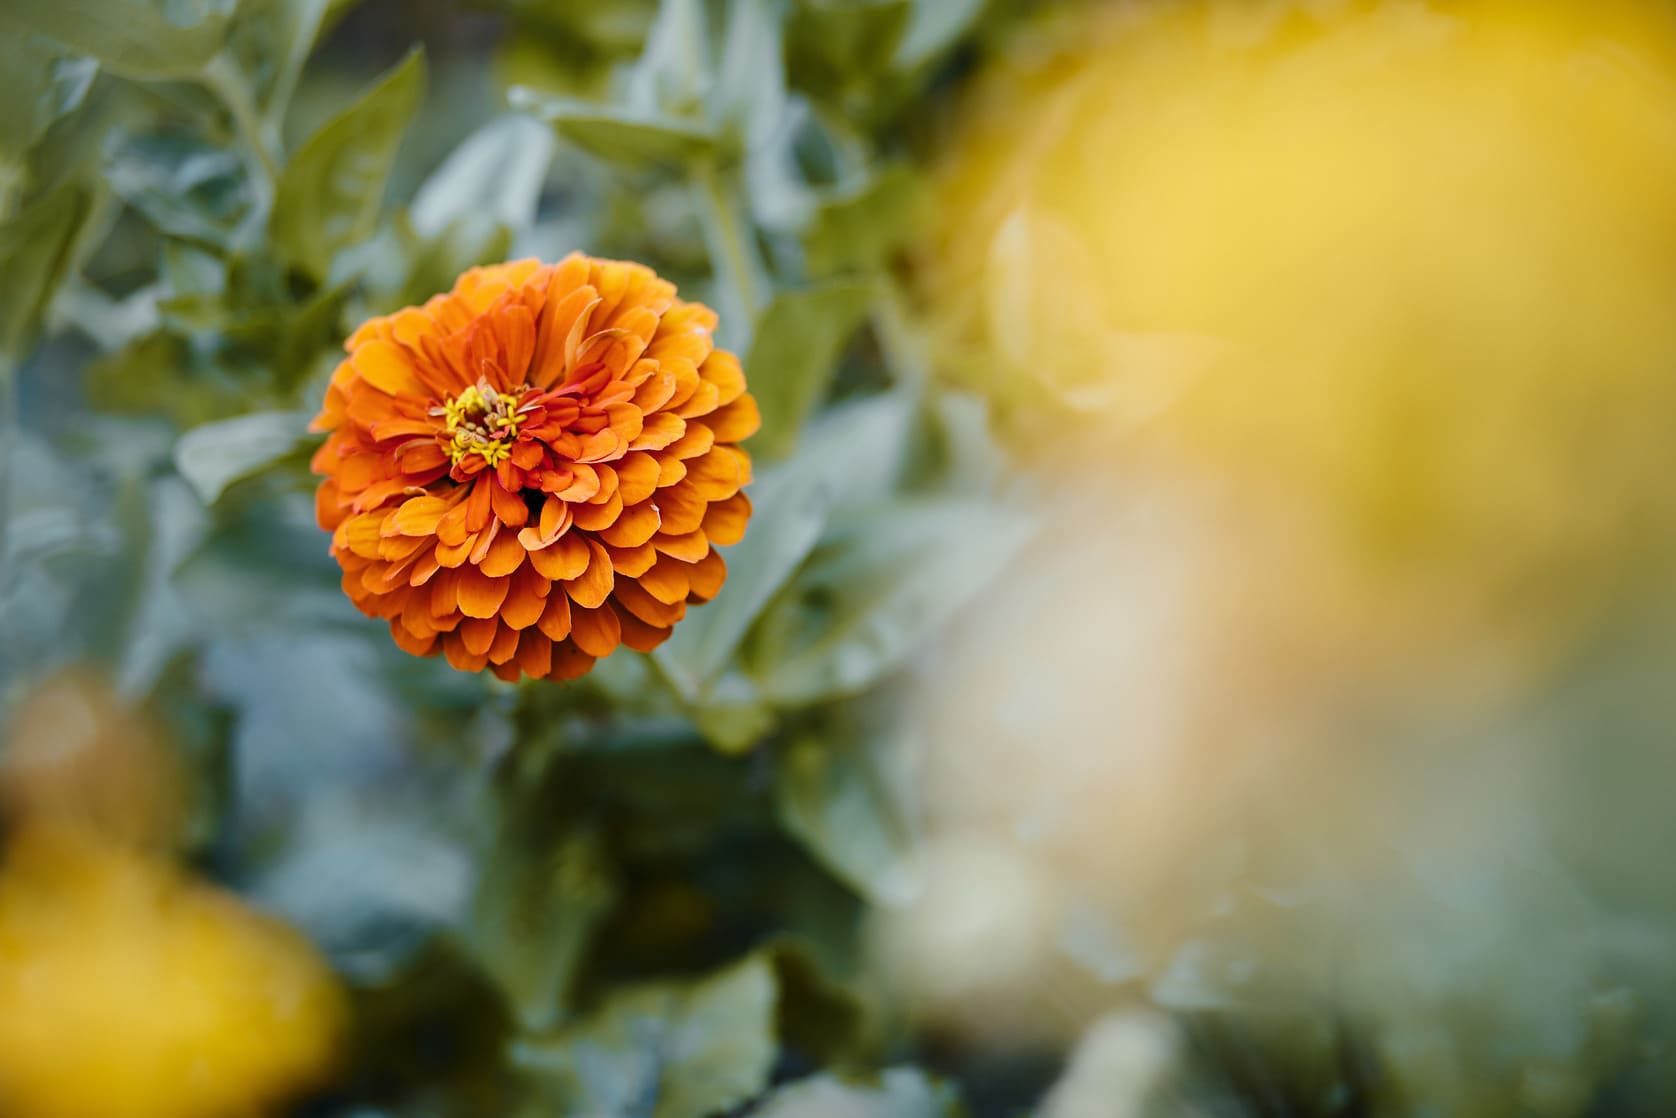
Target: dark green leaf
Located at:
point(135, 38)
point(797, 342)
point(666, 1050)
point(35, 251)
point(833, 46)
point(215, 455)
point(40, 81)
point(330, 193)
point(819, 1017)
point(625, 137)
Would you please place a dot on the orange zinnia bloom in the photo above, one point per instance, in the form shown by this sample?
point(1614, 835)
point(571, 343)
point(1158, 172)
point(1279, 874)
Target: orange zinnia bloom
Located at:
point(535, 467)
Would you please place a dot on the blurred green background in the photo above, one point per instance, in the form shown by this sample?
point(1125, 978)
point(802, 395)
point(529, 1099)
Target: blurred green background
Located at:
point(1036, 758)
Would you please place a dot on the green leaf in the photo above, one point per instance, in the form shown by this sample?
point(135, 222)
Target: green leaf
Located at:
point(791, 503)
point(934, 27)
point(494, 175)
point(628, 138)
point(187, 189)
point(820, 1018)
point(330, 193)
point(733, 718)
point(134, 38)
point(751, 84)
point(901, 1092)
point(835, 46)
point(887, 578)
point(35, 251)
point(673, 73)
point(668, 1050)
point(858, 228)
point(215, 455)
point(797, 342)
point(844, 798)
point(540, 898)
point(40, 81)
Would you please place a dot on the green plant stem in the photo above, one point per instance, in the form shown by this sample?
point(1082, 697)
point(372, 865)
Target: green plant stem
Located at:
point(8, 448)
point(222, 78)
point(733, 255)
point(903, 346)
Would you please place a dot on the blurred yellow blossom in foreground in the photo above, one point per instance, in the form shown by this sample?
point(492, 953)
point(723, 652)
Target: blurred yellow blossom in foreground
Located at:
point(1340, 336)
point(1405, 264)
point(75, 753)
point(128, 988)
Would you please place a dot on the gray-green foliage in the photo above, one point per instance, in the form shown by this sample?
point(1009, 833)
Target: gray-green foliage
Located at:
point(636, 894)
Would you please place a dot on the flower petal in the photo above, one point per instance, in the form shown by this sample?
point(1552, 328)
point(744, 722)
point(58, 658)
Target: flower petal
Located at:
point(706, 576)
point(566, 558)
point(724, 521)
point(635, 526)
point(480, 595)
point(595, 631)
point(505, 555)
point(526, 597)
point(387, 367)
point(636, 633)
point(593, 585)
point(555, 617)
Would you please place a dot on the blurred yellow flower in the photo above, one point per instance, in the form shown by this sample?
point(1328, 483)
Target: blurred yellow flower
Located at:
point(129, 990)
point(1405, 263)
point(75, 753)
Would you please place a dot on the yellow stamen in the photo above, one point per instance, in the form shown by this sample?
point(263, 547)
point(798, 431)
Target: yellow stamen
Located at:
point(481, 421)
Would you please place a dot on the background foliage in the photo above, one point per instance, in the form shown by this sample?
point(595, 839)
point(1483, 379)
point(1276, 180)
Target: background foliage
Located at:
point(662, 891)
point(640, 894)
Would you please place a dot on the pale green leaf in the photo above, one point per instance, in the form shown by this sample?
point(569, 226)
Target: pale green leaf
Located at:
point(494, 175)
point(331, 191)
point(625, 137)
point(673, 73)
point(885, 580)
point(666, 1050)
point(751, 84)
point(843, 798)
point(215, 455)
point(934, 26)
point(855, 450)
point(902, 1092)
point(188, 190)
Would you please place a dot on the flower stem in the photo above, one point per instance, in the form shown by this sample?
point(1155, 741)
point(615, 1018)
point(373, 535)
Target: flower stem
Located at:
point(733, 255)
point(222, 78)
point(903, 346)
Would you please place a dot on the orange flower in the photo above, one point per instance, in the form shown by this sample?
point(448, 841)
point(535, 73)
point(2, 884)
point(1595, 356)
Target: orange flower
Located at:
point(535, 467)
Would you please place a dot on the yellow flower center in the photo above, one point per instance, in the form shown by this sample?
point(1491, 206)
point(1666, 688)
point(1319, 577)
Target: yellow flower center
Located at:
point(480, 421)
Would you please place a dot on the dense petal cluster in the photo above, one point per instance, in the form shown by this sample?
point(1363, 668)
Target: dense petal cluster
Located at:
point(535, 467)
